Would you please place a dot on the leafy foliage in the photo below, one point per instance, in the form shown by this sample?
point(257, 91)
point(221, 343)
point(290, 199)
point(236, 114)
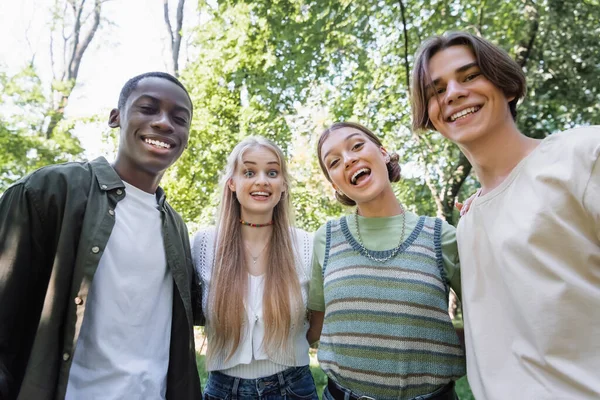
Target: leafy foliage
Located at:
point(285, 69)
point(22, 137)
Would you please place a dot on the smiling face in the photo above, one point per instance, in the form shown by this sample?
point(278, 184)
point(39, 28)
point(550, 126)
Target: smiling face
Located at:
point(258, 184)
point(355, 164)
point(155, 126)
point(463, 105)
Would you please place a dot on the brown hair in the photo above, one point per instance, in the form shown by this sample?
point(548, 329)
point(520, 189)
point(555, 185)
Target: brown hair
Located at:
point(282, 298)
point(495, 64)
point(393, 166)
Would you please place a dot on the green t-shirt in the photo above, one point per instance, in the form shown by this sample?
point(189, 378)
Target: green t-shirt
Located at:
point(382, 234)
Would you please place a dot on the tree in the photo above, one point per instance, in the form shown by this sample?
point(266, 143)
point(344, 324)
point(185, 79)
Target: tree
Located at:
point(261, 64)
point(75, 23)
point(24, 145)
point(174, 36)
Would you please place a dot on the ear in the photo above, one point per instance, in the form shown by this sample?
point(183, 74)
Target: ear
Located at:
point(383, 151)
point(114, 119)
point(510, 98)
point(231, 185)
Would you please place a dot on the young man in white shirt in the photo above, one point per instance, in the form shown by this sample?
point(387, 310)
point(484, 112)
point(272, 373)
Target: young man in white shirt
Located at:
point(530, 243)
point(96, 280)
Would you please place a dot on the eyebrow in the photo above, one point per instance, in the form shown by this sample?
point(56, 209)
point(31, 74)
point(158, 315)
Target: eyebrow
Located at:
point(253, 163)
point(155, 100)
point(345, 140)
point(458, 71)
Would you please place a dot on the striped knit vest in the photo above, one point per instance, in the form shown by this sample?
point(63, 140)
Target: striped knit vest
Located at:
point(387, 333)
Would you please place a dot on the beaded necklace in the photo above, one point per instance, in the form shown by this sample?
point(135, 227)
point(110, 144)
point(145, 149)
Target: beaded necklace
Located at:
point(365, 252)
point(256, 225)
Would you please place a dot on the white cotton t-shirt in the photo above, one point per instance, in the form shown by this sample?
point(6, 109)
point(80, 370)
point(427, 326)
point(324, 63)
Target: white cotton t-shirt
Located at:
point(123, 347)
point(530, 268)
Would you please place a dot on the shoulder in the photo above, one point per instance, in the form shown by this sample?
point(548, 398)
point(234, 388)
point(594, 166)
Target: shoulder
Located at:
point(320, 235)
point(302, 235)
point(60, 175)
point(204, 236)
point(448, 230)
point(581, 140)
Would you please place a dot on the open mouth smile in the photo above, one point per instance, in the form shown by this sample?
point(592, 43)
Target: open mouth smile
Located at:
point(260, 195)
point(358, 175)
point(158, 143)
point(463, 113)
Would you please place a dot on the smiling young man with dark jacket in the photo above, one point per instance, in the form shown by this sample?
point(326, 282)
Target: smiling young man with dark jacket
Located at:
point(96, 281)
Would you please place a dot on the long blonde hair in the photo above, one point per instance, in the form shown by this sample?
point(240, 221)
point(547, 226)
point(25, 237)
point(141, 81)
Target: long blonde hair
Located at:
point(282, 298)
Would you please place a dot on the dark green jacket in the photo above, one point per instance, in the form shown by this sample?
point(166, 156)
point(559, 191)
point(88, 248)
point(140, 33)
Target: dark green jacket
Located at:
point(54, 226)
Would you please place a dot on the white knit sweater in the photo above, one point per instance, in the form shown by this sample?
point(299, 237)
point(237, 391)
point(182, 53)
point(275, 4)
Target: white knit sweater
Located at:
point(251, 360)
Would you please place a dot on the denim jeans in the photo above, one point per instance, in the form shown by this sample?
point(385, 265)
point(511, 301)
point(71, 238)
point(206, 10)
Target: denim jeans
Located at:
point(293, 383)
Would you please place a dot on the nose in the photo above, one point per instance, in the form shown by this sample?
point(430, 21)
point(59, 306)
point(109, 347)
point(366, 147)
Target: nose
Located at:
point(163, 123)
point(454, 91)
point(350, 159)
point(261, 179)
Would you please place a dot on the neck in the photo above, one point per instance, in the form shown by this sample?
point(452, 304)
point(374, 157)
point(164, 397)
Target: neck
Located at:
point(495, 155)
point(256, 235)
point(385, 205)
point(143, 180)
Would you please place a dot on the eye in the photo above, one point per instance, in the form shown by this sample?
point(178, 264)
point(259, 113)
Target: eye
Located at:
point(440, 90)
point(273, 173)
point(181, 121)
point(472, 76)
point(333, 163)
point(148, 109)
point(358, 146)
point(248, 173)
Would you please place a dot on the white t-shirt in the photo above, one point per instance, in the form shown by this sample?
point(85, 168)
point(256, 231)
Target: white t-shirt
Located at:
point(123, 347)
point(530, 267)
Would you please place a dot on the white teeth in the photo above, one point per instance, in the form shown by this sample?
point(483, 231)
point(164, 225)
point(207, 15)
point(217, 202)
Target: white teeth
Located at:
point(355, 175)
point(158, 143)
point(463, 113)
point(259, 194)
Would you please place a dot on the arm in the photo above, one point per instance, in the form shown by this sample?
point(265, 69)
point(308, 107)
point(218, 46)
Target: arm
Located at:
point(451, 259)
point(199, 258)
point(315, 326)
point(316, 298)
point(21, 249)
point(591, 197)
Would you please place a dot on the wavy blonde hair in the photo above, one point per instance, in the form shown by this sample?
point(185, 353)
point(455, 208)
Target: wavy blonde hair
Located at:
point(282, 298)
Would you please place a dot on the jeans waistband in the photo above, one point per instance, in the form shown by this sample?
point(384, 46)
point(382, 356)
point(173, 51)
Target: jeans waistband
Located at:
point(276, 382)
point(338, 392)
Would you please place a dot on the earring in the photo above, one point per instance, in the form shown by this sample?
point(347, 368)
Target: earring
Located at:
point(387, 159)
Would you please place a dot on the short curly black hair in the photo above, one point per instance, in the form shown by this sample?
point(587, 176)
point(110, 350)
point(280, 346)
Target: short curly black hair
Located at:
point(133, 82)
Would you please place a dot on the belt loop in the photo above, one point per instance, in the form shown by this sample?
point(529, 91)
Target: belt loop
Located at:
point(282, 386)
point(234, 389)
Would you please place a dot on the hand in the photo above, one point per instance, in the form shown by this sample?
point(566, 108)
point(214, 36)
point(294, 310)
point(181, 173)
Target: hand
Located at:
point(464, 207)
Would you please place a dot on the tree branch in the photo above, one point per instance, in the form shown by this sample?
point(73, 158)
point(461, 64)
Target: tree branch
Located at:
point(406, 66)
point(460, 173)
point(174, 36)
point(525, 51)
point(480, 20)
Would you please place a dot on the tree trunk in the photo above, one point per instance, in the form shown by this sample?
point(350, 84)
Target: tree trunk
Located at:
point(76, 44)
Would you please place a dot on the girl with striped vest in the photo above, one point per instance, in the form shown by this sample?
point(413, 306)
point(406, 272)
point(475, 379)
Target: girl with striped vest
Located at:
point(380, 282)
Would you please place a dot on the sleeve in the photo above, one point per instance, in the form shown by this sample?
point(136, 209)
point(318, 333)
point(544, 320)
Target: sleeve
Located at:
point(591, 195)
point(196, 289)
point(316, 298)
point(21, 240)
point(199, 254)
point(451, 259)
